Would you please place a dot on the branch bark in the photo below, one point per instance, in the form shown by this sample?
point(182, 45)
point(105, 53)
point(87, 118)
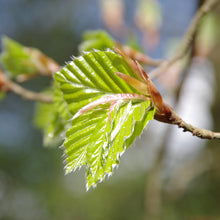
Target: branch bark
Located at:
point(199, 132)
point(27, 94)
point(169, 116)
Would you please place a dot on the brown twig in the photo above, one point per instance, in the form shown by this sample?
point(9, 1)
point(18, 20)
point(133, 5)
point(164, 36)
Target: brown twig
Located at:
point(187, 39)
point(27, 94)
point(7, 85)
point(199, 132)
point(26, 77)
point(164, 113)
point(170, 116)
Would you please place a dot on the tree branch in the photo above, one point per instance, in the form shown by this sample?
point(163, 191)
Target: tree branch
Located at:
point(27, 94)
point(169, 116)
point(187, 39)
point(199, 132)
point(164, 113)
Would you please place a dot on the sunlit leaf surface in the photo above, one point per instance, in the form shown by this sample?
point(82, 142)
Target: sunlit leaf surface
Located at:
point(100, 135)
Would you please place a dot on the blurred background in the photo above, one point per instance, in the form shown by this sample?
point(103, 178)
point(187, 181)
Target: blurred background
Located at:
point(166, 174)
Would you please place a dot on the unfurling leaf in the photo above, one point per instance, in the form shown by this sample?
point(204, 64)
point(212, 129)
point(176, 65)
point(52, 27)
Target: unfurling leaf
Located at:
point(107, 113)
point(18, 59)
point(52, 119)
point(98, 39)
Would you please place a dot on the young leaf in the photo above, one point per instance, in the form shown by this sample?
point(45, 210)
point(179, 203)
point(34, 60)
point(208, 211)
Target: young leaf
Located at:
point(52, 119)
point(15, 59)
point(113, 139)
point(99, 40)
point(108, 114)
point(18, 59)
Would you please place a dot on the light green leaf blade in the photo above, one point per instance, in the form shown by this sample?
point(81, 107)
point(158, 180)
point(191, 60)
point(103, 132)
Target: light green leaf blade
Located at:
point(98, 39)
point(129, 122)
point(16, 59)
point(21, 60)
point(78, 138)
point(93, 139)
point(111, 140)
point(52, 119)
point(92, 76)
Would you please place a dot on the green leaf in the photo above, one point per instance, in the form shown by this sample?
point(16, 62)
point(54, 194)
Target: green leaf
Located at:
point(99, 40)
point(108, 114)
point(16, 59)
point(52, 119)
point(111, 140)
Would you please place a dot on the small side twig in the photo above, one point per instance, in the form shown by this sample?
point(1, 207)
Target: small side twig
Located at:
point(26, 77)
point(7, 85)
point(171, 117)
point(199, 132)
point(27, 94)
point(187, 39)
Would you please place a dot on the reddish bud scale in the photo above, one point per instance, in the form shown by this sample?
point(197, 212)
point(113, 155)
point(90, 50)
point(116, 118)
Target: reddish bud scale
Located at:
point(164, 112)
point(2, 80)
